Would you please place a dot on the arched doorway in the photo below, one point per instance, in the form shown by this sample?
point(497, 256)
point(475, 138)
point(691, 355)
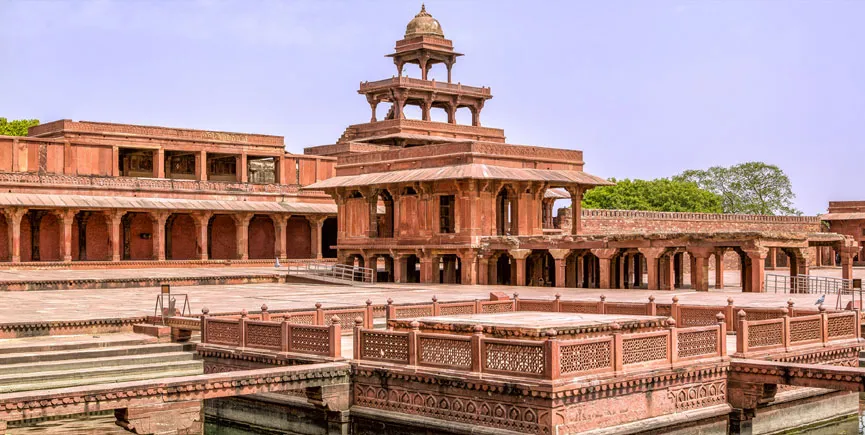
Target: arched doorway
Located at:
point(385, 220)
point(90, 237)
point(503, 273)
point(262, 239)
point(450, 270)
point(412, 269)
point(328, 237)
point(221, 238)
point(181, 242)
point(506, 212)
point(540, 269)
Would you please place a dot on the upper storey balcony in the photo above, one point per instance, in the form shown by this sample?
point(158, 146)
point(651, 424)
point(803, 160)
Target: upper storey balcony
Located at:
point(424, 85)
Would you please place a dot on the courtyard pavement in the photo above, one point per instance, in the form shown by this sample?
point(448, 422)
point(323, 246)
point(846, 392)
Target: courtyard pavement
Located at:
point(34, 306)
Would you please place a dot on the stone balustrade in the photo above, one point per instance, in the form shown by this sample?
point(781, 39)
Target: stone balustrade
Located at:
point(786, 333)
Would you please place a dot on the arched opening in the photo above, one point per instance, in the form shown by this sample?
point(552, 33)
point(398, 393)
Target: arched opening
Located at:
point(181, 241)
point(574, 269)
point(412, 269)
point(328, 237)
point(506, 212)
point(383, 266)
point(412, 111)
point(90, 237)
point(5, 252)
point(221, 238)
point(137, 236)
point(590, 273)
point(464, 116)
point(503, 273)
point(385, 214)
point(450, 269)
point(262, 239)
point(540, 269)
point(298, 235)
point(438, 114)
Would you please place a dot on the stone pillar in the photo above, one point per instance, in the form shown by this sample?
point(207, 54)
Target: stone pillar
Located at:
point(159, 163)
point(315, 223)
point(158, 236)
point(638, 271)
point(426, 273)
point(719, 268)
point(700, 268)
point(484, 270)
point(280, 225)
point(469, 267)
point(242, 234)
point(847, 262)
point(242, 169)
point(818, 258)
point(576, 209)
point(667, 279)
point(678, 269)
point(652, 259)
point(622, 271)
point(604, 266)
point(372, 202)
point(201, 166)
point(66, 218)
point(773, 258)
point(519, 256)
point(202, 220)
point(560, 256)
point(13, 225)
point(399, 267)
point(756, 275)
point(115, 222)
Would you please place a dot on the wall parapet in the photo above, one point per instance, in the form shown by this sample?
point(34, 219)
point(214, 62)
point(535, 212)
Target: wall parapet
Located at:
point(661, 215)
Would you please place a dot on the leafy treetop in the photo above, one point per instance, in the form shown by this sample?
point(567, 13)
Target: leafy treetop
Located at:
point(662, 194)
point(16, 127)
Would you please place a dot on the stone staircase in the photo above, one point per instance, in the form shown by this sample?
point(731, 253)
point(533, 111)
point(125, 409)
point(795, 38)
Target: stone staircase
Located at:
point(38, 364)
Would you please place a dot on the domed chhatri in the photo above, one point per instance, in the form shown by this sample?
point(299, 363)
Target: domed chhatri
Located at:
point(423, 24)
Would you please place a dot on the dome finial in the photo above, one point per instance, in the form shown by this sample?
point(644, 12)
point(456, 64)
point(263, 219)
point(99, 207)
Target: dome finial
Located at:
point(423, 24)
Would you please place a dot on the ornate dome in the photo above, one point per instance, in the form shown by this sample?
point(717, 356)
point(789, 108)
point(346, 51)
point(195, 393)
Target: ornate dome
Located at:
point(423, 24)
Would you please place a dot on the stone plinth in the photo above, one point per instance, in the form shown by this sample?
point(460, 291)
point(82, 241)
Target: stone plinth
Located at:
point(534, 325)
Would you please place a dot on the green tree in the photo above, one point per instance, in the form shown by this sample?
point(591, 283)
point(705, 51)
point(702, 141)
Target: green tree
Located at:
point(16, 127)
point(751, 188)
point(662, 194)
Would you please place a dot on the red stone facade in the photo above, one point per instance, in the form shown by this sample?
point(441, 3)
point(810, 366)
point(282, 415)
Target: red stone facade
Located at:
point(104, 195)
point(848, 218)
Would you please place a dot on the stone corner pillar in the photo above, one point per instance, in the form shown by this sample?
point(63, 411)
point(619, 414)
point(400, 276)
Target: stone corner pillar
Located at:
point(757, 269)
point(13, 222)
point(469, 260)
point(560, 256)
point(652, 266)
point(315, 224)
point(280, 228)
point(159, 218)
point(242, 234)
point(202, 220)
point(520, 260)
point(67, 219)
point(700, 268)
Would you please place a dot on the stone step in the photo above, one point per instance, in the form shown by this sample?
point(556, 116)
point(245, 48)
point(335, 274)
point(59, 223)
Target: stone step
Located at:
point(71, 342)
point(112, 351)
point(71, 378)
point(114, 361)
point(77, 382)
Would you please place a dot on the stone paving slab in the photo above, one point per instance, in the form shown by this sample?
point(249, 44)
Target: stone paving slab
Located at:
point(176, 272)
point(123, 303)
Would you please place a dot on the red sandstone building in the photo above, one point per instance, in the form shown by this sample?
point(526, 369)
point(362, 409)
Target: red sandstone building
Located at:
point(848, 217)
point(443, 202)
point(87, 194)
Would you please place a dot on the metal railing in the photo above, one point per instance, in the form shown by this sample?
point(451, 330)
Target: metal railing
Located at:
point(810, 284)
point(336, 271)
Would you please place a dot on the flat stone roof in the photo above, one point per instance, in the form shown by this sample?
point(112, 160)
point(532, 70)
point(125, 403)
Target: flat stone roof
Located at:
point(533, 323)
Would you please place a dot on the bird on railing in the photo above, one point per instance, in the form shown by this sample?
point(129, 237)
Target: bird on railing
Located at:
point(277, 265)
point(820, 301)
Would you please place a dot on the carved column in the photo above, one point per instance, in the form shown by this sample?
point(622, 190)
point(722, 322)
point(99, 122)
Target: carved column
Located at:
point(158, 237)
point(373, 105)
point(280, 227)
point(847, 254)
point(315, 223)
point(372, 202)
point(773, 257)
point(469, 267)
point(66, 218)
point(484, 270)
point(652, 255)
point(719, 267)
point(520, 261)
point(576, 209)
point(426, 268)
point(426, 107)
point(560, 256)
point(700, 268)
point(242, 234)
point(242, 169)
point(202, 220)
point(13, 225)
point(115, 222)
point(756, 269)
point(399, 267)
point(159, 163)
point(452, 113)
point(604, 265)
point(81, 219)
point(201, 166)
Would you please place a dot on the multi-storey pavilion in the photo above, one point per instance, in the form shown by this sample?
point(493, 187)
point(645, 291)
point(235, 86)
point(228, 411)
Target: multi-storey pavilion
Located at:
point(451, 203)
point(848, 217)
point(100, 194)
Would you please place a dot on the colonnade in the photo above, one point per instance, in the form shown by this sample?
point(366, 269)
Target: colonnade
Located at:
point(67, 235)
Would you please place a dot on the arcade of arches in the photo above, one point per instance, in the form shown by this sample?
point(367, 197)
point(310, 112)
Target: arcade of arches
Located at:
point(66, 235)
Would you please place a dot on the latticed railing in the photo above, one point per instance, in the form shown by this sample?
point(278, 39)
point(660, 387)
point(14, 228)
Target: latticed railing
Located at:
point(549, 358)
point(788, 333)
point(320, 340)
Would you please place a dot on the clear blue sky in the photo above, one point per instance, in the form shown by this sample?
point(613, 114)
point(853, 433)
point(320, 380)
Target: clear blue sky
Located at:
point(645, 88)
